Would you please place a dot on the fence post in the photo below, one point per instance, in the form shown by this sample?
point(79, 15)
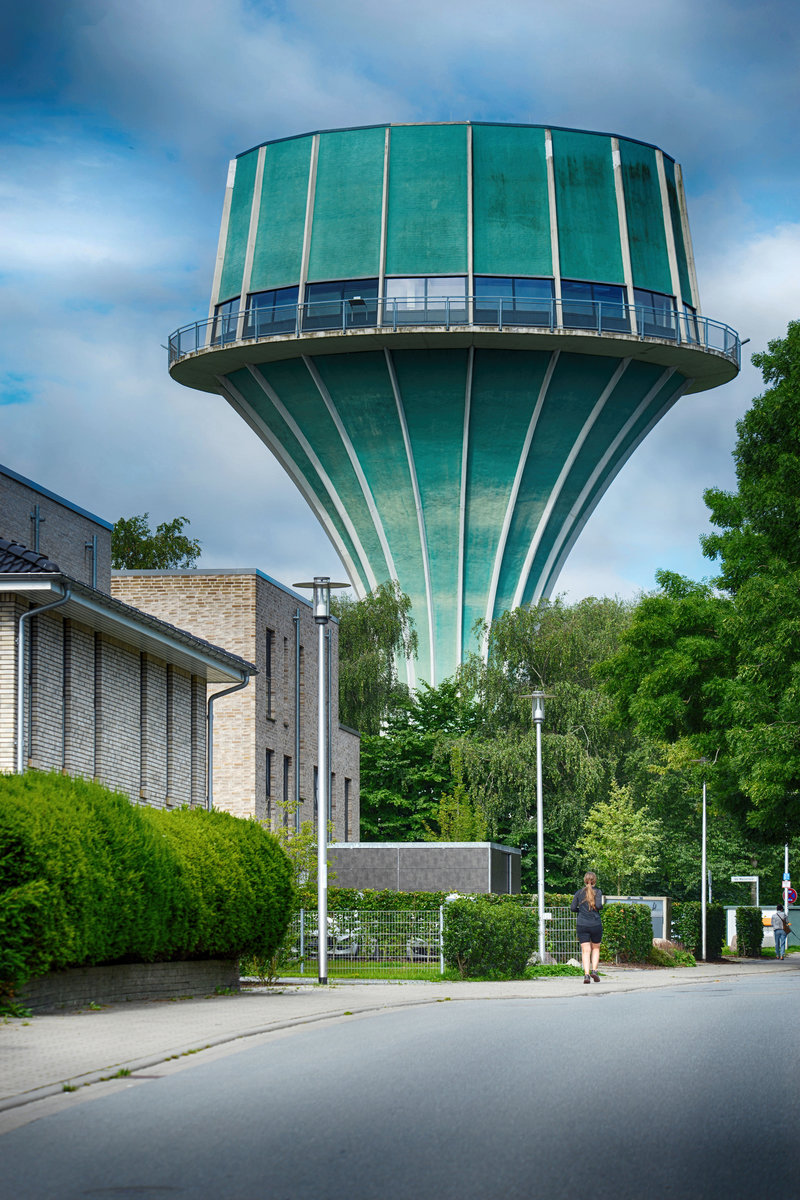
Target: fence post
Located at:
point(441, 939)
point(302, 942)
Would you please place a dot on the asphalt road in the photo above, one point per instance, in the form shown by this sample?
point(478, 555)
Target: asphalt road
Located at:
point(671, 1093)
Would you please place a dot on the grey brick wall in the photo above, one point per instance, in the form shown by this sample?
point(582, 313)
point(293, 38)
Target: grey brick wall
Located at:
point(237, 610)
point(63, 531)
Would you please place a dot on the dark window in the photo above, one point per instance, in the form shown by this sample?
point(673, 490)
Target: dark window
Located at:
point(431, 300)
point(268, 784)
point(269, 654)
point(599, 306)
point(346, 808)
point(316, 793)
point(341, 305)
point(511, 301)
point(226, 318)
point(287, 766)
point(655, 313)
point(271, 312)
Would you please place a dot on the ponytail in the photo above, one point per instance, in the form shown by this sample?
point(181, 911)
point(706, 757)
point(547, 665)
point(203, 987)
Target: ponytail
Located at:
point(590, 879)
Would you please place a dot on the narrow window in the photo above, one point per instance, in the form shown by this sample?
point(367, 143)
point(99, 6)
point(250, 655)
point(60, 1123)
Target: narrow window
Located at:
point(287, 766)
point(268, 785)
point(269, 655)
point(346, 809)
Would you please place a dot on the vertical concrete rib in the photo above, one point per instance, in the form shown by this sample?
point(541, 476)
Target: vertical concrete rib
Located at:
point(355, 462)
point(252, 230)
point(223, 236)
point(423, 537)
point(313, 458)
point(614, 470)
point(622, 218)
point(462, 506)
point(687, 237)
point(309, 222)
point(674, 273)
point(574, 520)
point(555, 492)
point(512, 500)
point(553, 211)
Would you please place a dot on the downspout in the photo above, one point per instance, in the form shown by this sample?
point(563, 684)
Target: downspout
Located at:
point(296, 619)
point(26, 616)
point(237, 687)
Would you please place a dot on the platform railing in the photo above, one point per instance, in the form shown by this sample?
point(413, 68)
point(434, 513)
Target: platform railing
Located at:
point(448, 312)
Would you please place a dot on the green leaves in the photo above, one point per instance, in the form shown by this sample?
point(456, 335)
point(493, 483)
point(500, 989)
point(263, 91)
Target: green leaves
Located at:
point(134, 546)
point(619, 841)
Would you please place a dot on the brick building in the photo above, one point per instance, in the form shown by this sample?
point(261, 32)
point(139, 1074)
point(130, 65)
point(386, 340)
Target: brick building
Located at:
point(265, 737)
point(89, 685)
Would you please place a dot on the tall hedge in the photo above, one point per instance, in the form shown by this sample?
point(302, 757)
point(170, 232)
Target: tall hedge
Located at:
point(687, 927)
point(87, 878)
point(481, 938)
point(627, 932)
point(749, 932)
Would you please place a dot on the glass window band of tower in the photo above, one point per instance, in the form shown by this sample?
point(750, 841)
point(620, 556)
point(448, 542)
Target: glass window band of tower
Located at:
point(437, 299)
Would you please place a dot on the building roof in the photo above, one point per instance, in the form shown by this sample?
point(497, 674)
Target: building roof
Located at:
point(18, 559)
point(40, 582)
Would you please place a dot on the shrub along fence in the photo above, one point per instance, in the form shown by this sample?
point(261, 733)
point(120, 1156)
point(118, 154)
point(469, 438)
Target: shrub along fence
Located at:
point(749, 932)
point(687, 927)
point(87, 878)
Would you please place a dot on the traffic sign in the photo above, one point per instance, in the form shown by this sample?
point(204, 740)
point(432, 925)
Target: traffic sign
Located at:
point(791, 896)
point(786, 876)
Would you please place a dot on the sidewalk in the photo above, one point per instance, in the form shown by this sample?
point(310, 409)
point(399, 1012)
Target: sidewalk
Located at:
point(42, 1054)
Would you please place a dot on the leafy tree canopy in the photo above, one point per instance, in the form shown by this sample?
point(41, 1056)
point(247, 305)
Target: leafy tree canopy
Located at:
point(134, 546)
point(620, 842)
point(373, 634)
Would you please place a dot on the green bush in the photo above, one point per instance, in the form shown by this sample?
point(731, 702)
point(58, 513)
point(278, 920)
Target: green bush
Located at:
point(627, 933)
point(340, 899)
point(87, 878)
point(749, 932)
point(484, 939)
point(686, 928)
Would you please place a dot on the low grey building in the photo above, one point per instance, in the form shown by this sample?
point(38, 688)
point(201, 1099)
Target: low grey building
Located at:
point(465, 867)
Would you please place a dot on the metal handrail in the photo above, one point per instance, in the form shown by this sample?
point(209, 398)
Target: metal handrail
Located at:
point(495, 312)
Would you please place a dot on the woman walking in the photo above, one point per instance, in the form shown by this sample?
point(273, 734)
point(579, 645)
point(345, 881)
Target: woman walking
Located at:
point(588, 904)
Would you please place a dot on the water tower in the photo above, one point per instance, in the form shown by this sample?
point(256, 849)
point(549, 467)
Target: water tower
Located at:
point(452, 337)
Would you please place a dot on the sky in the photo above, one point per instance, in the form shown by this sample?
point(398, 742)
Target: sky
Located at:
point(117, 123)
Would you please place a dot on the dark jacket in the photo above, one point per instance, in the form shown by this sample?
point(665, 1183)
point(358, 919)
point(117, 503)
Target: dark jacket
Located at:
point(580, 905)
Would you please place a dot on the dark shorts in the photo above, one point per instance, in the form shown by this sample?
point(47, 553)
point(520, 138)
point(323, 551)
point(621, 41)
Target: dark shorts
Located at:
point(591, 933)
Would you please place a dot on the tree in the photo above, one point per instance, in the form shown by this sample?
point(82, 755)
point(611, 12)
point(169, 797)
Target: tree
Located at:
point(722, 668)
point(458, 818)
point(134, 546)
point(620, 841)
point(373, 633)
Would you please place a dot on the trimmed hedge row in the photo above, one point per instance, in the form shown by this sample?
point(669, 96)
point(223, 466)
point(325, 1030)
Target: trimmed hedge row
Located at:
point(749, 932)
point(627, 933)
point(481, 938)
point(88, 878)
point(687, 927)
point(340, 898)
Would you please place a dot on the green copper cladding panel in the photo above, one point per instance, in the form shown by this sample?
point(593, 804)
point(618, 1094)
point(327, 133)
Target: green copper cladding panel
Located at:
point(348, 198)
point(575, 387)
point(266, 411)
point(296, 389)
point(361, 389)
point(505, 388)
point(645, 216)
point(631, 389)
point(657, 406)
point(511, 214)
point(427, 220)
point(677, 230)
point(586, 204)
point(432, 386)
point(282, 217)
point(230, 283)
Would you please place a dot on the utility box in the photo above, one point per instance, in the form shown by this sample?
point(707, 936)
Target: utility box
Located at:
point(466, 867)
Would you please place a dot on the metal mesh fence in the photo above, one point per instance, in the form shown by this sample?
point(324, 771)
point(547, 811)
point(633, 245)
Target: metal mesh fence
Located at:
point(397, 944)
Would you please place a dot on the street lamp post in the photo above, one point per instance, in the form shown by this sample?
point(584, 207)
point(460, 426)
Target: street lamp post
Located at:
point(538, 699)
point(703, 866)
point(322, 610)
